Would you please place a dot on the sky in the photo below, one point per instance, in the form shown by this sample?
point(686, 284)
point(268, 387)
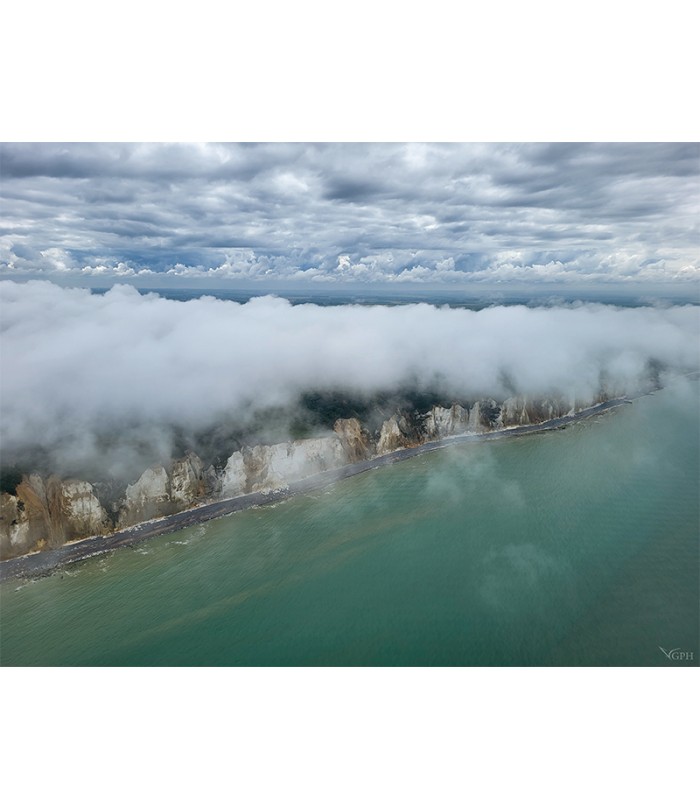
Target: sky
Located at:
point(305, 215)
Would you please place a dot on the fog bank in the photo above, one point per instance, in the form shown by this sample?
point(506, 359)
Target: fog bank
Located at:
point(76, 367)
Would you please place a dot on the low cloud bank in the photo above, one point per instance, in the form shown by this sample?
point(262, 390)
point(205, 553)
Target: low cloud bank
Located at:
point(106, 379)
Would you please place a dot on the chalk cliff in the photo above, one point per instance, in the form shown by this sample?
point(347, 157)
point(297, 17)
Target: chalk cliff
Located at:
point(355, 439)
point(264, 468)
point(149, 497)
point(187, 480)
point(235, 476)
point(158, 492)
point(443, 421)
point(46, 513)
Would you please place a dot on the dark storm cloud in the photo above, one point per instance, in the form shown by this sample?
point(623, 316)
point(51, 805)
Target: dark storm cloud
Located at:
point(605, 210)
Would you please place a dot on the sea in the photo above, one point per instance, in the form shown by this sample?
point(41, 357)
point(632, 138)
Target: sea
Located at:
point(577, 547)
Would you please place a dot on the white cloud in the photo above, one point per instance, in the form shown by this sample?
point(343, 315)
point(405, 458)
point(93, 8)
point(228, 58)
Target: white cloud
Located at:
point(74, 364)
point(389, 267)
point(601, 212)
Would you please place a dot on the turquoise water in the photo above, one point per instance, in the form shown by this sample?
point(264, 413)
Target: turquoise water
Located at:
point(578, 547)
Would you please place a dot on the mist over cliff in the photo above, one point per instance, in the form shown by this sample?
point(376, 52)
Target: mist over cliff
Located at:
point(116, 381)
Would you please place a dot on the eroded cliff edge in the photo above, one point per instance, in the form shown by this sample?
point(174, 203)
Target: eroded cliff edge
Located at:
point(46, 512)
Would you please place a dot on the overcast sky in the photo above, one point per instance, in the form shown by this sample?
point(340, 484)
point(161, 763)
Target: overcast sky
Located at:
point(314, 214)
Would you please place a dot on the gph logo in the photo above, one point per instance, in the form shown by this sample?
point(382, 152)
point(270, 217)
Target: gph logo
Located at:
point(677, 654)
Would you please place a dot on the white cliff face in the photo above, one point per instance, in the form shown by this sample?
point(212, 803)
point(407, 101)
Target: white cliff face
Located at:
point(284, 463)
point(40, 505)
point(83, 510)
point(316, 455)
point(515, 412)
point(147, 498)
point(391, 436)
point(233, 478)
point(187, 481)
point(157, 494)
point(474, 424)
point(520, 410)
point(46, 514)
point(356, 441)
point(443, 421)
point(276, 466)
point(151, 486)
point(15, 536)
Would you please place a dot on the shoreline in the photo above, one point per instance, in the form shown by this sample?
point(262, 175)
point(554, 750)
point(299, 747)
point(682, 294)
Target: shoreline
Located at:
point(42, 563)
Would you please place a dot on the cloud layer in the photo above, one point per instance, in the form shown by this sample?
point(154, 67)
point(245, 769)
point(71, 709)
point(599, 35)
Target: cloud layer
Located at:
point(76, 367)
point(350, 213)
